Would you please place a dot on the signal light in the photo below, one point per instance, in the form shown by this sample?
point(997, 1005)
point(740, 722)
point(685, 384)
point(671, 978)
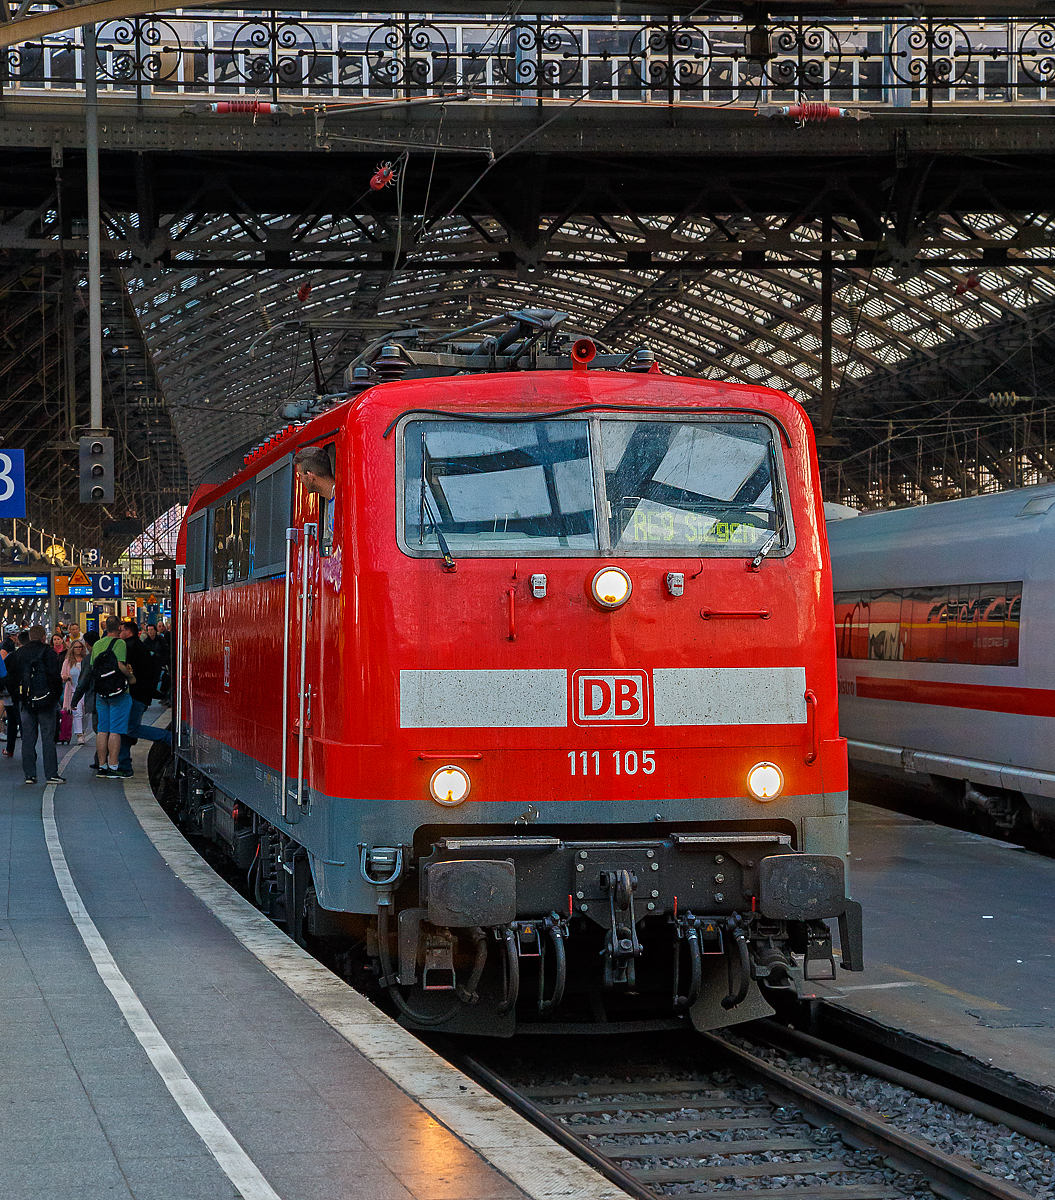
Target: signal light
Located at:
point(96, 461)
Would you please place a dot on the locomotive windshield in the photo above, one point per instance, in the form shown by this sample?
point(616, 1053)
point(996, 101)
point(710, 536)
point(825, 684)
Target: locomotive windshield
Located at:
point(665, 486)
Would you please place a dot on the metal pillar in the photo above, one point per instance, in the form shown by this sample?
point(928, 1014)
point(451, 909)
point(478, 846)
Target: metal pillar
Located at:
point(827, 398)
point(95, 297)
point(53, 603)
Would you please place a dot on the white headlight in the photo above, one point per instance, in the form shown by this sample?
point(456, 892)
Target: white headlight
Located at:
point(611, 587)
point(449, 785)
point(765, 781)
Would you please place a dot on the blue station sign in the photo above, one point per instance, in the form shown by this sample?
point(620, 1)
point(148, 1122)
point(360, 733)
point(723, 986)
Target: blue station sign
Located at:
point(13, 484)
point(25, 585)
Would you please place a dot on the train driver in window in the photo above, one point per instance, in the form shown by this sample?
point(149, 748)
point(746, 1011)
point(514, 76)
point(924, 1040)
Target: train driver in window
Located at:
point(315, 470)
point(312, 465)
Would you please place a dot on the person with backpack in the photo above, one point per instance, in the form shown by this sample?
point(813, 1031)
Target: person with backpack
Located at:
point(109, 677)
point(34, 671)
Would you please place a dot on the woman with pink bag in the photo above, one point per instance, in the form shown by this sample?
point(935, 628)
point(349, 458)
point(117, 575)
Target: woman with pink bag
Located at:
point(76, 657)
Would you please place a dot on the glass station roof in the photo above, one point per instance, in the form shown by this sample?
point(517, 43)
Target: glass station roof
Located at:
point(231, 349)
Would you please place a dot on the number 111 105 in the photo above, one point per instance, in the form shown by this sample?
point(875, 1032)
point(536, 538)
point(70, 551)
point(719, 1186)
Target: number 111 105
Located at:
point(624, 762)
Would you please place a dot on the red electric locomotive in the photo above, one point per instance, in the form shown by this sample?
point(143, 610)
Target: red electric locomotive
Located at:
point(525, 707)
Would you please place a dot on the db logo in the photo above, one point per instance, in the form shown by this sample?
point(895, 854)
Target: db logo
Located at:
point(606, 699)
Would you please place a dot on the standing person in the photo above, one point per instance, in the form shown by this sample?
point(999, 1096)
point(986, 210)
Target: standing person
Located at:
point(36, 672)
point(156, 643)
point(109, 676)
point(142, 692)
point(75, 662)
point(88, 697)
point(7, 704)
point(16, 639)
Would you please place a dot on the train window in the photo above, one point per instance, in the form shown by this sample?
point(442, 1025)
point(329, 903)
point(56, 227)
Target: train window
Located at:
point(666, 487)
point(223, 543)
point(971, 623)
point(194, 573)
point(501, 489)
point(274, 491)
point(328, 506)
point(243, 546)
point(691, 487)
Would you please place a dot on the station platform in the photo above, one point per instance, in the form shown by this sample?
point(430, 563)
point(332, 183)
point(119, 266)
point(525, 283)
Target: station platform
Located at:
point(958, 941)
point(161, 1040)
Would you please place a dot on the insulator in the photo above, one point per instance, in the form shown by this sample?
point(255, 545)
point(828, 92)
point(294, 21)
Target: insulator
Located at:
point(390, 364)
point(1006, 399)
point(244, 106)
point(643, 360)
point(810, 111)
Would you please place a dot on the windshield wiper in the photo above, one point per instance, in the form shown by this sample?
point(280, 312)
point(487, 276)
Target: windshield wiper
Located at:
point(778, 512)
point(425, 508)
point(756, 562)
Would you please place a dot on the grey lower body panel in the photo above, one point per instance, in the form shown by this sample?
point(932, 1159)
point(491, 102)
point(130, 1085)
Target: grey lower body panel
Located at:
point(331, 828)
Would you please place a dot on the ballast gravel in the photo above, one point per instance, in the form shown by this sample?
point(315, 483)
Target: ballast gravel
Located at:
point(992, 1148)
point(684, 1149)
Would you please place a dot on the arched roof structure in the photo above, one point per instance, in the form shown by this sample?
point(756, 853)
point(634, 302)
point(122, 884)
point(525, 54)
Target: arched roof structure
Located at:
point(918, 347)
point(895, 274)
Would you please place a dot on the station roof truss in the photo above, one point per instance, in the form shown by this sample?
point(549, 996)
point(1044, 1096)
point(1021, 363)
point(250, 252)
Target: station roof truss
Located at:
point(921, 333)
point(895, 275)
point(43, 401)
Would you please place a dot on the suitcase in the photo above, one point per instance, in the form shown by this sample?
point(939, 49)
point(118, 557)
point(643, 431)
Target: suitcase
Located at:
point(65, 726)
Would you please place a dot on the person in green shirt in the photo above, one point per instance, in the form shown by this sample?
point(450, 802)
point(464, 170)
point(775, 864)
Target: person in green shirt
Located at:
point(112, 712)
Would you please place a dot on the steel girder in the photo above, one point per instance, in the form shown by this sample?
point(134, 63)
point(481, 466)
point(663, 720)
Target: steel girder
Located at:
point(713, 259)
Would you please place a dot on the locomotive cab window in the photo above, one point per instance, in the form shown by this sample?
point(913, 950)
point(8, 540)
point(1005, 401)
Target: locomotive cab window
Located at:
point(681, 487)
point(498, 489)
point(637, 485)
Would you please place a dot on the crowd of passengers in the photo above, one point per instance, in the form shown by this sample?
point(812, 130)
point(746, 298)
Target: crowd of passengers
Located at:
point(51, 685)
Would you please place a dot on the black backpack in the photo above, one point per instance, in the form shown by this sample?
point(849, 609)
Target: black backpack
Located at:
point(36, 686)
point(108, 680)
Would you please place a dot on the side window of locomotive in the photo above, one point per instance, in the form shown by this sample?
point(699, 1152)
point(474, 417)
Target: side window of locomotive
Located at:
point(504, 488)
point(243, 546)
point(273, 495)
point(328, 507)
point(699, 487)
point(194, 573)
point(221, 534)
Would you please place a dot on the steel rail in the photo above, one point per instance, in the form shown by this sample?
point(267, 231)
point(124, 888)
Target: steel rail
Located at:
point(954, 1177)
point(537, 1116)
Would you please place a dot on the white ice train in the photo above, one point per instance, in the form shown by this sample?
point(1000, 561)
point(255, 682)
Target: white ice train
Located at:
point(945, 628)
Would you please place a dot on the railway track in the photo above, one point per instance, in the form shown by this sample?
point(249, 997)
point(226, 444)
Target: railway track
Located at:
point(724, 1122)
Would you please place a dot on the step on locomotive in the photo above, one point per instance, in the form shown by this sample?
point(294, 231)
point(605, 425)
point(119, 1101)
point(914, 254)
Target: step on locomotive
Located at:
point(518, 702)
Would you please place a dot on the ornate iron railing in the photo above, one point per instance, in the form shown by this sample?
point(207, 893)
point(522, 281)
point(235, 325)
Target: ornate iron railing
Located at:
point(282, 56)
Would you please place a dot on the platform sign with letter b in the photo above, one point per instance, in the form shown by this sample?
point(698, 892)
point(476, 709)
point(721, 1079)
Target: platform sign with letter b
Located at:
point(12, 483)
